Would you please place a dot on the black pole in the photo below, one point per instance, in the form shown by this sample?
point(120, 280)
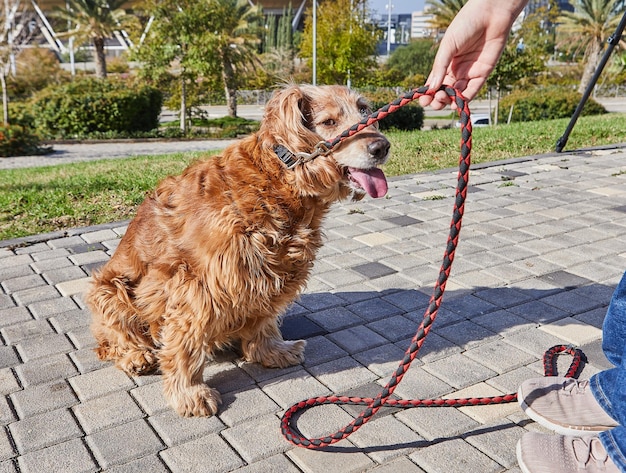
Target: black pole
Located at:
point(612, 40)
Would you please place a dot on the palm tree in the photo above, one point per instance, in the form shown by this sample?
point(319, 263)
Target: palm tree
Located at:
point(443, 12)
point(588, 27)
point(93, 20)
point(236, 40)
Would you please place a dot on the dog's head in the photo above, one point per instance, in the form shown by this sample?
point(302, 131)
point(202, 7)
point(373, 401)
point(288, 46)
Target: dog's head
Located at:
point(299, 117)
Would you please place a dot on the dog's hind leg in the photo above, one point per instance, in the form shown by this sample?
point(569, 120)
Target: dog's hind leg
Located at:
point(121, 336)
point(262, 342)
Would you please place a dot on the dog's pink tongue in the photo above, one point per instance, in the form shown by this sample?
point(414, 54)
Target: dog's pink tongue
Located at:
point(373, 181)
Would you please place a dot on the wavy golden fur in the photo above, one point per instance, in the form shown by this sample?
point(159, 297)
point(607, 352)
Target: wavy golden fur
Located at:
point(216, 255)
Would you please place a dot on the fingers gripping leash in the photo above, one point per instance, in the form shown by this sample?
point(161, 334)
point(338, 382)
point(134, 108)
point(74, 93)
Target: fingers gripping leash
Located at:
point(288, 427)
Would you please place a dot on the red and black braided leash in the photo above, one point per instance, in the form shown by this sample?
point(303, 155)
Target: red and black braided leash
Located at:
point(288, 427)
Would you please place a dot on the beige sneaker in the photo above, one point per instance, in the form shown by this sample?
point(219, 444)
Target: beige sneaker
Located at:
point(564, 405)
point(546, 453)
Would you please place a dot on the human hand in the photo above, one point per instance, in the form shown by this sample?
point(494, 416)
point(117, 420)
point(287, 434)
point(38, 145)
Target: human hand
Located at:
point(470, 49)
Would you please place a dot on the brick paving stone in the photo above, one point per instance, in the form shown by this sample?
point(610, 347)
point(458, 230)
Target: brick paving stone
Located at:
point(386, 438)
point(43, 345)
point(466, 334)
point(49, 264)
point(484, 414)
point(357, 339)
point(498, 441)
point(70, 319)
point(20, 284)
point(320, 350)
point(74, 287)
point(65, 242)
point(400, 465)
point(437, 423)
point(573, 331)
point(98, 236)
point(52, 427)
point(394, 328)
point(56, 276)
point(342, 374)
point(460, 457)
point(275, 464)
point(5, 303)
point(45, 370)
point(151, 464)
point(318, 461)
point(68, 457)
point(374, 309)
point(6, 412)
point(499, 356)
point(257, 439)
point(9, 272)
point(42, 398)
point(82, 337)
point(98, 383)
point(382, 360)
point(245, 404)
point(32, 328)
point(458, 371)
point(8, 357)
point(6, 448)
point(322, 421)
point(106, 412)
point(419, 384)
point(293, 387)
point(123, 443)
point(86, 360)
point(174, 429)
point(209, 453)
point(36, 294)
point(47, 308)
point(336, 318)
point(503, 322)
point(150, 397)
point(8, 382)
point(538, 312)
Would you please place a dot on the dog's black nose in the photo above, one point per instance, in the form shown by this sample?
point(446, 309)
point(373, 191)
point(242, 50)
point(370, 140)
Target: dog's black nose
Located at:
point(379, 149)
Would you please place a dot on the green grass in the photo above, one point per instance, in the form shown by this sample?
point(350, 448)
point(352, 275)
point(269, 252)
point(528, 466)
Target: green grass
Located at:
point(38, 200)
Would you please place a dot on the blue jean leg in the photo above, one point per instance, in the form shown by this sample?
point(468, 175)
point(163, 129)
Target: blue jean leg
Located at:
point(609, 386)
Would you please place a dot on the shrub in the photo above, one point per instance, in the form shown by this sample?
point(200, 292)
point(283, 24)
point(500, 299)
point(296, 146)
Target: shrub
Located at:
point(88, 107)
point(19, 141)
point(409, 117)
point(545, 104)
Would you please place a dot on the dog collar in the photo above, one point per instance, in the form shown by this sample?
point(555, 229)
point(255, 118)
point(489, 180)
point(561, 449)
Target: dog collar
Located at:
point(290, 159)
point(287, 157)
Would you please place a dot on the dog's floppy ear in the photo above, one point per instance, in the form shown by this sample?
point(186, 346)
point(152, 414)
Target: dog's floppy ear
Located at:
point(287, 121)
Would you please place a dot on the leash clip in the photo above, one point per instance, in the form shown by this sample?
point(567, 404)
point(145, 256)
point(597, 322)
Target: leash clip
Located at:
point(321, 149)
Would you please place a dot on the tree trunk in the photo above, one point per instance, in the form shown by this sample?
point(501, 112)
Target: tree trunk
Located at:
point(183, 106)
point(5, 99)
point(229, 88)
point(100, 58)
point(593, 58)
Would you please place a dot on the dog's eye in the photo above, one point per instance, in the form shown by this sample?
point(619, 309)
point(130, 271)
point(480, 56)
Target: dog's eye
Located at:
point(329, 122)
point(364, 111)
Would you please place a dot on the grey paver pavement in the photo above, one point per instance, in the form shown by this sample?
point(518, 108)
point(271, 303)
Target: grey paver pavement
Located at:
point(543, 245)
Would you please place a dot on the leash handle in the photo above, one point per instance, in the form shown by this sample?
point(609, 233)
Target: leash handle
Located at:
point(373, 405)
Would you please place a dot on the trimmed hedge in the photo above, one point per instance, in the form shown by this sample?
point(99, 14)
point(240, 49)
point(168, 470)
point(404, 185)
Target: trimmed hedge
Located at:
point(88, 107)
point(410, 117)
point(16, 140)
point(545, 104)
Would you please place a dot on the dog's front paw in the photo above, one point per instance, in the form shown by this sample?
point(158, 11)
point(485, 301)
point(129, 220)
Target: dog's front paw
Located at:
point(138, 362)
point(198, 400)
point(283, 353)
